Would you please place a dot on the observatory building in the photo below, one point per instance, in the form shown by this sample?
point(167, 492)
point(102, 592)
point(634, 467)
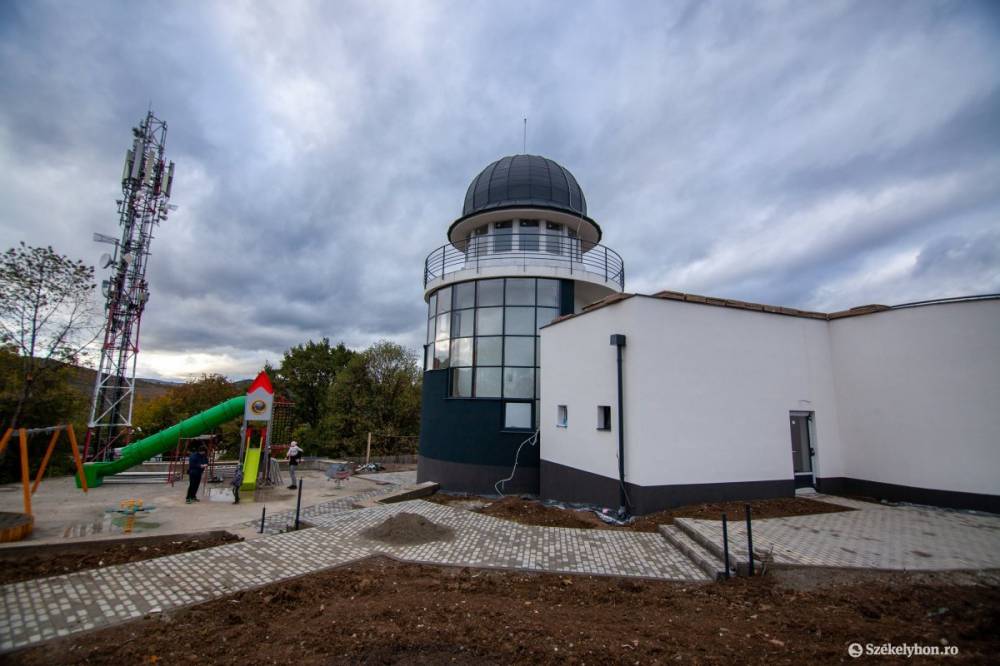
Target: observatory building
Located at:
point(523, 252)
point(541, 373)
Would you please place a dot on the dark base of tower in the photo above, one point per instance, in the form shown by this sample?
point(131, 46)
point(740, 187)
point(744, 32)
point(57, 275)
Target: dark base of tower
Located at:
point(476, 479)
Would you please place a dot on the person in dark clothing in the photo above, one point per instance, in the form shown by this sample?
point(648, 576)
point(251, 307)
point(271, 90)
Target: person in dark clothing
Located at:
point(197, 463)
point(236, 482)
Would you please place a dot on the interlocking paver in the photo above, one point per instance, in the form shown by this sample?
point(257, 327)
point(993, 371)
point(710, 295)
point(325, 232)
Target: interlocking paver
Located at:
point(874, 536)
point(38, 610)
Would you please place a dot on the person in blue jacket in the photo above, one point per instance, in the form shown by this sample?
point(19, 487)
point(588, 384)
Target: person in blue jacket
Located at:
point(197, 463)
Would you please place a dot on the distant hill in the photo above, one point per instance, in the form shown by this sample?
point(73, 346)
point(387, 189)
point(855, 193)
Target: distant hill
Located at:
point(145, 389)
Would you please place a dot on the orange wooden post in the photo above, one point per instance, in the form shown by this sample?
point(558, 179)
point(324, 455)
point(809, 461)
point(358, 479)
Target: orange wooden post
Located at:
point(5, 439)
point(76, 455)
point(45, 460)
point(24, 471)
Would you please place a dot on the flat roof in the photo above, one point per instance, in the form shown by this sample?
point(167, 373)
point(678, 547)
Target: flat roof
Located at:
point(769, 309)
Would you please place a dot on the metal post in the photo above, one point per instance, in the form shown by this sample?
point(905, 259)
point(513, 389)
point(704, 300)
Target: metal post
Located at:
point(749, 540)
point(263, 512)
point(725, 546)
point(605, 263)
point(368, 451)
point(298, 505)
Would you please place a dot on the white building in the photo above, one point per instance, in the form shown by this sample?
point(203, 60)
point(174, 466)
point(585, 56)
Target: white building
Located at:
point(731, 400)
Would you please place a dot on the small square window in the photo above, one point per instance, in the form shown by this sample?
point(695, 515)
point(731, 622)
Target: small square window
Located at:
point(603, 417)
point(562, 416)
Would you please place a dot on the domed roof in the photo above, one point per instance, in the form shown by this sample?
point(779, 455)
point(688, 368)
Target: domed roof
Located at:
point(524, 180)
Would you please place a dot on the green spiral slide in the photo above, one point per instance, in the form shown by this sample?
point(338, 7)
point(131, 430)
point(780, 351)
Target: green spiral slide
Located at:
point(163, 441)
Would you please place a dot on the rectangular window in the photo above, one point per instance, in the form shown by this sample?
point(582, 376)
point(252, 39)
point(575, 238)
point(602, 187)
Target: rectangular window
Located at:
point(546, 315)
point(488, 351)
point(465, 295)
point(603, 417)
point(461, 382)
point(519, 383)
point(490, 292)
point(429, 357)
point(432, 305)
point(461, 352)
point(444, 300)
point(519, 321)
point(502, 236)
point(462, 322)
point(487, 382)
point(441, 354)
point(443, 327)
point(562, 416)
point(480, 241)
point(519, 351)
point(553, 238)
point(548, 293)
point(520, 291)
point(528, 235)
point(489, 321)
point(430, 329)
point(517, 415)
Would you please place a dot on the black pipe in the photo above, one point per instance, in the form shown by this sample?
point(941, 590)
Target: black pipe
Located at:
point(725, 546)
point(298, 505)
point(618, 340)
point(749, 540)
point(263, 512)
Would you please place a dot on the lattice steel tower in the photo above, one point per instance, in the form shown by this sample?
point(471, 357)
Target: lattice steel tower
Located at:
point(146, 182)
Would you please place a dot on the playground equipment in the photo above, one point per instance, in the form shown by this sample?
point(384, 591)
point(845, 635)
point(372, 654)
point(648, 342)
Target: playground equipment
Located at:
point(257, 415)
point(256, 407)
point(21, 527)
point(163, 441)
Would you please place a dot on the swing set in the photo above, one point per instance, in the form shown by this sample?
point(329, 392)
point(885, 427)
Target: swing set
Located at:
point(24, 529)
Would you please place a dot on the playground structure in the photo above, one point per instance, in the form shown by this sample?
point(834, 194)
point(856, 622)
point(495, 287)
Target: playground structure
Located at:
point(21, 527)
point(257, 409)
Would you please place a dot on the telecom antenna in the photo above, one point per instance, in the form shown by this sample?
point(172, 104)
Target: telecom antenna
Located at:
point(146, 183)
point(524, 144)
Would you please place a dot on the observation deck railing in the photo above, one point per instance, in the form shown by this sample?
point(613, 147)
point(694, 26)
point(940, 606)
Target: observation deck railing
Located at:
point(573, 255)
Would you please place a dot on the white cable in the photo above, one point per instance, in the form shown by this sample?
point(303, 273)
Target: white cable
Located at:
point(533, 439)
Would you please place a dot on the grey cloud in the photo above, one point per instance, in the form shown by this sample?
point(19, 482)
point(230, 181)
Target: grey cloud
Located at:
point(323, 150)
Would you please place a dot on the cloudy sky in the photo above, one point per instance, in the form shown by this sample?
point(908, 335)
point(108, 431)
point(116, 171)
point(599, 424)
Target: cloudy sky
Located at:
point(813, 154)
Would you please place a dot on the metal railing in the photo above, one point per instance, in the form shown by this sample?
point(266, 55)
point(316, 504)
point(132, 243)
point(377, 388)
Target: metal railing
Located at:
point(527, 250)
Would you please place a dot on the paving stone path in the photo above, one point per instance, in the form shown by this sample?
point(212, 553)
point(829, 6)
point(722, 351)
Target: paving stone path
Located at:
point(39, 610)
point(284, 521)
point(873, 537)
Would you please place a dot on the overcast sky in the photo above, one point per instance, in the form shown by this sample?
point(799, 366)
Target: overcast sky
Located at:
point(819, 155)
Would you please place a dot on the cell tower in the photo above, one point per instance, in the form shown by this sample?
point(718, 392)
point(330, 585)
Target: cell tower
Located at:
point(145, 202)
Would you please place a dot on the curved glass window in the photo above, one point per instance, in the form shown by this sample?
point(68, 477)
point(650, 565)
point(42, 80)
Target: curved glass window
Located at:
point(485, 332)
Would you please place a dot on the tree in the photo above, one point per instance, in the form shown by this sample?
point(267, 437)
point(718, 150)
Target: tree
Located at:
point(378, 392)
point(46, 315)
point(306, 373)
point(184, 401)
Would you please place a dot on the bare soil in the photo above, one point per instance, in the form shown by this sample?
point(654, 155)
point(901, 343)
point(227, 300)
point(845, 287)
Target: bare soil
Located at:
point(408, 529)
point(534, 512)
point(381, 611)
point(27, 562)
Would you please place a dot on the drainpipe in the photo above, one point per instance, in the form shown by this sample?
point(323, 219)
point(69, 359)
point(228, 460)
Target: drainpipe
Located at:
point(624, 510)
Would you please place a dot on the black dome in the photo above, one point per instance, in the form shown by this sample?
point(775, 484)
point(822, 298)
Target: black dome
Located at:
point(524, 180)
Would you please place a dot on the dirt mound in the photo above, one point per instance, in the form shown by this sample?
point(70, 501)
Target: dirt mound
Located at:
point(408, 529)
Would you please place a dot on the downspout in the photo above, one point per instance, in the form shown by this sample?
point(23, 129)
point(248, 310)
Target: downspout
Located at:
point(624, 510)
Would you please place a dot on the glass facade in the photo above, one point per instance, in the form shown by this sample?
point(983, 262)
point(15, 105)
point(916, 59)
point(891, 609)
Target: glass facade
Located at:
point(485, 333)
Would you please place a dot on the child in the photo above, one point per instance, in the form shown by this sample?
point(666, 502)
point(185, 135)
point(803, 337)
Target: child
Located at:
point(294, 455)
point(237, 482)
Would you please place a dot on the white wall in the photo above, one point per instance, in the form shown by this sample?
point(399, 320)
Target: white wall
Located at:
point(908, 396)
point(708, 392)
point(919, 395)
